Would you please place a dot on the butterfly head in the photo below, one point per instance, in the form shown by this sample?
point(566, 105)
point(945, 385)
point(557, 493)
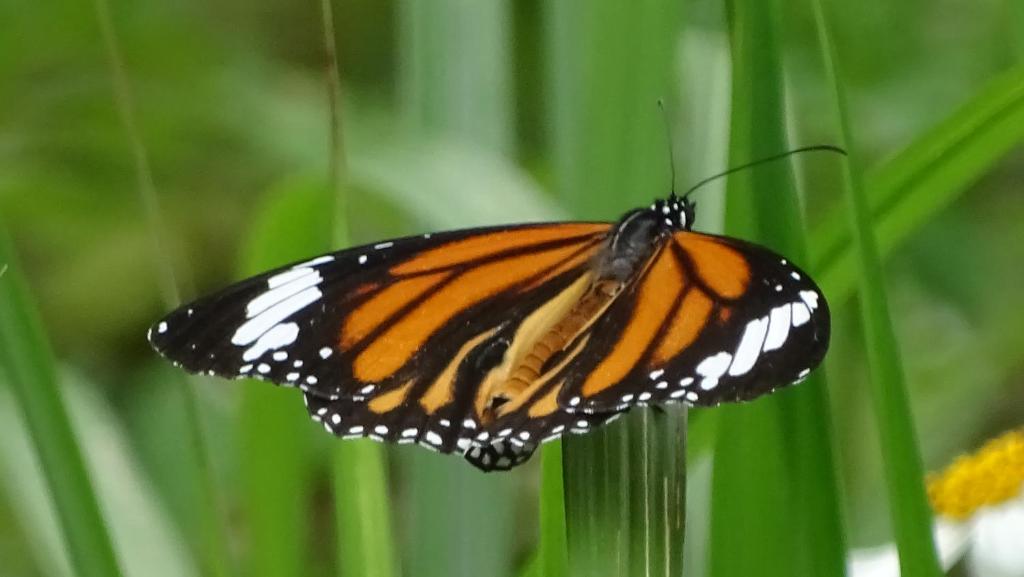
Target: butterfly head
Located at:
point(675, 212)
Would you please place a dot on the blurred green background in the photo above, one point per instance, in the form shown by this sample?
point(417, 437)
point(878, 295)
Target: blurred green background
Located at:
point(459, 113)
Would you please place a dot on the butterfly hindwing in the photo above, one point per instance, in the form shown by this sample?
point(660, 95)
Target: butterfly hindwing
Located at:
point(713, 319)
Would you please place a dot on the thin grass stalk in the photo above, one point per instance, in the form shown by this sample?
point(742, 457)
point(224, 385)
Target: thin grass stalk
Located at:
point(609, 63)
point(362, 507)
point(214, 548)
point(31, 371)
point(904, 473)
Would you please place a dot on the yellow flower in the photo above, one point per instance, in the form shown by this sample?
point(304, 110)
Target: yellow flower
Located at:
point(979, 512)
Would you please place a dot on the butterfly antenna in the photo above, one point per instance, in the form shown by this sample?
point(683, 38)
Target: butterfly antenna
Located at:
point(671, 152)
point(774, 157)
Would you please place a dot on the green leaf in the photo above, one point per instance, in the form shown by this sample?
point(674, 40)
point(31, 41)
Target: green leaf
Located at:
point(904, 474)
point(29, 365)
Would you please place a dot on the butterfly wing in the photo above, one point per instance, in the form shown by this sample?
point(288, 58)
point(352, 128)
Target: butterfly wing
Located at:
point(393, 341)
point(713, 319)
point(340, 322)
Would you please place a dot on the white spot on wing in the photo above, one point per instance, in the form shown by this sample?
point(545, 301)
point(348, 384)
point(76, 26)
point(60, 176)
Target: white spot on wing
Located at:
point(655, 374)
point(801, 314)
point(810, 298)
point(316, 261)
point(325, 352)
point(749, 347)
point(261, 323)
point(285, 278)
point(162, 327)
point(778, 327)
point(712, 368)
point(278, 336)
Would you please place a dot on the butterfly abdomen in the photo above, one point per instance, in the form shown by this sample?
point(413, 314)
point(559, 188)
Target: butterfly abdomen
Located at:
point(558, 337)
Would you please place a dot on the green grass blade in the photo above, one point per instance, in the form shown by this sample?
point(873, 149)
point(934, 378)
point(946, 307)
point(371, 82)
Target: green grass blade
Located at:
point(610, 62)
point(789, 521)
point(148, 543)
point(30, 368)
point(752, 531)
point(911, 516)
point(925, 178)
point(553, 559)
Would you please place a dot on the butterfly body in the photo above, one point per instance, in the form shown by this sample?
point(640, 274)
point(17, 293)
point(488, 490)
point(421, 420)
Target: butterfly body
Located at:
point(487, 342)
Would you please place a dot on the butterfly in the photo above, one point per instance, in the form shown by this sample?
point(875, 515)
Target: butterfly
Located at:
point(486, 342)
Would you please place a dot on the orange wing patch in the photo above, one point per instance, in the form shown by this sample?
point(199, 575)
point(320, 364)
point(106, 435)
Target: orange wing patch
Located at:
point(398, 344)
point(484, 245)
point(387, 402)
point(690, 318)
point(653, 305)
point(721, 267)
point(547, 404)
point(375, 311)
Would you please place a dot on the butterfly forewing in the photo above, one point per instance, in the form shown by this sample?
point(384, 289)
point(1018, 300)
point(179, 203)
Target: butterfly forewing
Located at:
point(354, 322)
point(713, 320)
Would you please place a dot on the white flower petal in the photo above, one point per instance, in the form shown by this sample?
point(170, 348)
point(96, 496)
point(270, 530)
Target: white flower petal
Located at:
point(997, 543)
